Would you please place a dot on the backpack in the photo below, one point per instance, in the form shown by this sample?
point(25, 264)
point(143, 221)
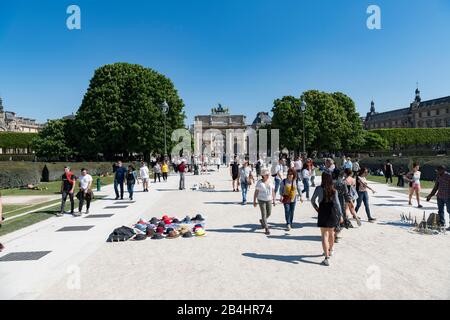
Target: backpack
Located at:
point(258, 166)
point(121, 234)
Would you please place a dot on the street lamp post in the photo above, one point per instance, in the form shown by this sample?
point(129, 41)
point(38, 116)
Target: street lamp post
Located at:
point(303, 109)
point(165, 109)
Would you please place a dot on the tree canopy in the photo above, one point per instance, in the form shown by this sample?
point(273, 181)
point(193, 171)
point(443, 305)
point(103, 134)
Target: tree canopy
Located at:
point(51, 143)
point(121, 111)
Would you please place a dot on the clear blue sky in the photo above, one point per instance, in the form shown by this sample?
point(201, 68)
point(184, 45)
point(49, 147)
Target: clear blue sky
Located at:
point(242, 53)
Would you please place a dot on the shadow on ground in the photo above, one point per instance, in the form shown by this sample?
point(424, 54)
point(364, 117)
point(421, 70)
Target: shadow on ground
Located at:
point(288, 259)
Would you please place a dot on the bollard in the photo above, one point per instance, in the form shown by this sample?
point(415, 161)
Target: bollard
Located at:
point(98, 184)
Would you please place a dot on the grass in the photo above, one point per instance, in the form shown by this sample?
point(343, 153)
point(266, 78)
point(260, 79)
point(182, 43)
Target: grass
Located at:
point(51, 188)
point(14, 210)
point(35, 217)
point(381, 179)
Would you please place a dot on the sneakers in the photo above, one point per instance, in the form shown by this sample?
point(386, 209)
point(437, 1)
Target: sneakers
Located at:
point(267, 232)
point(358, 221)
point(420, 206)
point(76, 214)
point(372, 220)
point(117, 198)
point(87, 211)
point(60, 214)
point(326, 261)
point(337, 239)
point(288, 227)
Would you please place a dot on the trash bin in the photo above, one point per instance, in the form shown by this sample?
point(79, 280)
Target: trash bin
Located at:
point(99, 184)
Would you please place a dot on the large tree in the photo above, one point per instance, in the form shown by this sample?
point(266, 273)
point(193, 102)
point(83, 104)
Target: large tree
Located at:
point(331, 122)
point(121, 111)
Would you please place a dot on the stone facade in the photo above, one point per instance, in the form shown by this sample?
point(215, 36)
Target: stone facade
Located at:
point(420, 114)
point(9, 121)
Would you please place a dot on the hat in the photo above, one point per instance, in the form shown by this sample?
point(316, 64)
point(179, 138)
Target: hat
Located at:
point(173, 234)
point(154, 220)
point(161, 224)
point(184, 229)
point(200, 232)
point(141, 222)
point(187, 234)
point(175, 220)
point(168, 230)
point(186, 220)
point(198, 217)
point(150, 232)
point(140, 237)
point(265, 172)
point(157, 236)
point(160, 230)
point(141, 227)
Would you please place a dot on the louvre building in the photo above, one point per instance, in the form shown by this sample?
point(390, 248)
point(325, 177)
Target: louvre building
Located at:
point(420, 114)
point(9, 121)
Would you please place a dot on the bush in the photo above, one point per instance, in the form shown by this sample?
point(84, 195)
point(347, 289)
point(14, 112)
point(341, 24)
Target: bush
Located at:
point(414, 136)
point(17, 157)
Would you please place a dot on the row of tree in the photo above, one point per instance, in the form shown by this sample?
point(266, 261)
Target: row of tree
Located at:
point(331, 124)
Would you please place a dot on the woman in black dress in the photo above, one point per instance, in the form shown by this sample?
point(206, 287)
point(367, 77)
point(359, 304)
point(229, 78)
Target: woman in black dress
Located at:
point(329, 211)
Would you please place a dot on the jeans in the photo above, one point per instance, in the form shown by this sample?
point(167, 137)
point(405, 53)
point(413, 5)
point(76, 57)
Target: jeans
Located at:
point(306, 187)
point(266, 210)
point(64, 198)
point(130, 188)
point(388, 178)
point(118, 183)
point(441, 203)
point(289, 209)
point(244, 189)
point(401, 181)
point(157, 175)
point(81, 204)
point(363, 196)
point(277, 185)
point(181, 180)
point(164, 176)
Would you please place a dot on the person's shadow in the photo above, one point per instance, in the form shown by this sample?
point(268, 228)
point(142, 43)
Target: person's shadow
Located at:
point(289, 259)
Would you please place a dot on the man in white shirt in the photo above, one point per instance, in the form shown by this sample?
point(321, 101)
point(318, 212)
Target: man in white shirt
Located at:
point(85, 183)
point(145, 175)
point(277, 174)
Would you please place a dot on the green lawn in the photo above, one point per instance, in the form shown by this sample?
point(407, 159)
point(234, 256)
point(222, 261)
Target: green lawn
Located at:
point(49, 188)
point(381, 179)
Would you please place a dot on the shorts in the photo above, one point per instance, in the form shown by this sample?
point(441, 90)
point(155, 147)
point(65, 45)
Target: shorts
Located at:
point(144, 180)
point(235, 176)
point(416, 186)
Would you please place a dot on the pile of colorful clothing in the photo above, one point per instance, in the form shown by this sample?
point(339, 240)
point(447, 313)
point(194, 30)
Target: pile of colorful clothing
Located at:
point(170, 228)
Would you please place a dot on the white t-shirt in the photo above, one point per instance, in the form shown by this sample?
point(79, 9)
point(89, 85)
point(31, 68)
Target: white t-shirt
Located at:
point(245, 173)
point(144, 172)
point(298, 165)
point(264, 190)
point(277, 169)
point(84, 181)
point(306, 174)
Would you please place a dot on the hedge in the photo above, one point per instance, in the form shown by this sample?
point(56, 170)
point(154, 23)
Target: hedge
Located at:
point(414, 136)
point(428, 165)
point(18, 174)
point(16, 139)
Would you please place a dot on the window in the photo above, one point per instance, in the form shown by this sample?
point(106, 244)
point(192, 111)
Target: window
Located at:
point(428, 113)
point(437, 112)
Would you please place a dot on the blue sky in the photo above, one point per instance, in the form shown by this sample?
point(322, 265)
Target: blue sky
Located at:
point(242, 53)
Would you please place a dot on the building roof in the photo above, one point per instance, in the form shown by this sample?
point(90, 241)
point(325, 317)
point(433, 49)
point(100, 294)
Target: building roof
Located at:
point(433, 102)
point(262, 118)
point(388, 115)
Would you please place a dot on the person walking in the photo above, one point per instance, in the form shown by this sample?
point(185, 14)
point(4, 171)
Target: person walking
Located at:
point(265, 194)
point(388, 171)
point(356, 168)
point(157, 172)
point(234, 171)
point(306, 175)
point(326, 202)
point(413, 177)
point(258, 167)
point(442, 187)
point(182, 172)
point(2, 247)
point(67, 188)
point(144, 175)
point(312, 169)
point(131, 180)
point(277, 174)
point(298, 166)
point(119, 179)
point(246, 180)
point(348, 164)
point(288, 191)
point(85, 193)
point(350, 184)
point(165, 171)
point(363, 196)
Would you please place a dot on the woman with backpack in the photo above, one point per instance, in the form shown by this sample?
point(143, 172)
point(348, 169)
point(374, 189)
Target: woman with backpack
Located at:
point(131, 180)
point(326, 202)
point(350, 184)
point(288, 191)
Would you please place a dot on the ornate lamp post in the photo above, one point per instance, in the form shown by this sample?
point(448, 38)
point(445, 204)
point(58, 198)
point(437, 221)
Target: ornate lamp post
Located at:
point(165, 109)
point(303, 109)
